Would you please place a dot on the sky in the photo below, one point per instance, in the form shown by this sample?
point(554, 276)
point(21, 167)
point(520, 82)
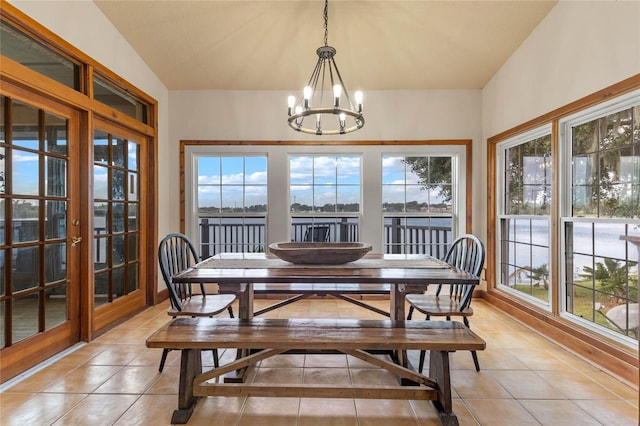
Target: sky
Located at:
point(315, 180)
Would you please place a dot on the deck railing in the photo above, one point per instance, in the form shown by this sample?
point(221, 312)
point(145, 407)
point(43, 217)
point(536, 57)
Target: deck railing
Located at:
point(248, 234)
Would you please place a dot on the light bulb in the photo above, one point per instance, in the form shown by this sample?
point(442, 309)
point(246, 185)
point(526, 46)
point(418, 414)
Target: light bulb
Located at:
point(337, 89)
point(342, 117)
point(307, 92)
point(358, 96)
point(307, 96)
point(292, 101)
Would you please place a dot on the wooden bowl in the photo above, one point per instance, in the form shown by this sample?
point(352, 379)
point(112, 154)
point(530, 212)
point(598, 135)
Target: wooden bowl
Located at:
point(319, 253)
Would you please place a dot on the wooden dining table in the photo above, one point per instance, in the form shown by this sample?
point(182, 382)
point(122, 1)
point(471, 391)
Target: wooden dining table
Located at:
point(404, 273)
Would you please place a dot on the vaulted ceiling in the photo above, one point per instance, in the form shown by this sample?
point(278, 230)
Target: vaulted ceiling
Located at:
point(270, 45)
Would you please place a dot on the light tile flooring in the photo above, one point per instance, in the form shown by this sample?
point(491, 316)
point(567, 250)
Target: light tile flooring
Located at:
point(525, 380)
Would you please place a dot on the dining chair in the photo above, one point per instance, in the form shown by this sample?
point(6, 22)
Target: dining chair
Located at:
point(318, 234)
point(467, 254)
point(177, 253)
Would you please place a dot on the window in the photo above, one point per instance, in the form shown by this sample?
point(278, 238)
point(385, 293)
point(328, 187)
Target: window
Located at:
point(109, 94)
point(34, 204)
point(313, 195)
point(35, 55)
point(417, 204)
point(231, 203)
point(116, 204)
point(601, 216)
point(524, 178)
point(324, 197)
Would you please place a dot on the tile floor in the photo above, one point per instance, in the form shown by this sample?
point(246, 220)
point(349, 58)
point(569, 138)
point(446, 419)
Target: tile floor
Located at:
point(525, 380)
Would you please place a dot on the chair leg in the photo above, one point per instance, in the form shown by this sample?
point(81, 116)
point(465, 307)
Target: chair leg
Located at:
point(216, 360)
point(473, 353)
point(421, 364)
point(165, 352)
point(230, 309)
point(410, 312)
point(475, 360)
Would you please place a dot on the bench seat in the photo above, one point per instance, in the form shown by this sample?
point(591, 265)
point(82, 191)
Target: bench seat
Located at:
point(349, 336)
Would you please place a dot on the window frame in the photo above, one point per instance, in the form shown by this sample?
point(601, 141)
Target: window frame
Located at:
point(598, 348)
point(278, 220)
point(432, 248)
point(324, 218)
point(500, 207)
point(566, 124)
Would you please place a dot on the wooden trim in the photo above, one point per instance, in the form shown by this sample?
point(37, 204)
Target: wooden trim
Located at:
point(625, 86)
point(152, 214)
point(182, 177)
point(469, 194)
point(86, 217)
point(16, 359)
point(25, 23)
point(468, 143)
point(112, 313)
point(25, 353)
point(330, 142)
point(34, 84)
point(490, 267)
point(613, 357)
point(618, 360)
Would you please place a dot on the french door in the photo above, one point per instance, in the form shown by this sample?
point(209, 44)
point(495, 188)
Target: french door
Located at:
point(40, 228)
point(119, 229)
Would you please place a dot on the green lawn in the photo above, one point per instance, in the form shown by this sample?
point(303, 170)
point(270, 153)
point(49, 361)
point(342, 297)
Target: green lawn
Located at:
point(583, 303)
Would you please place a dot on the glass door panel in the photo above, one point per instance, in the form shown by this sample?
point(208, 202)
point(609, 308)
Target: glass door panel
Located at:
point(116, 208)
point(38, 289)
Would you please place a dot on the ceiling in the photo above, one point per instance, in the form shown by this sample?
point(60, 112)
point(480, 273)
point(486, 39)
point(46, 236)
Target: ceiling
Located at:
point(270, 45)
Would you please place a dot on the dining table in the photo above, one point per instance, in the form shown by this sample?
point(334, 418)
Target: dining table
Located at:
point(403, 273)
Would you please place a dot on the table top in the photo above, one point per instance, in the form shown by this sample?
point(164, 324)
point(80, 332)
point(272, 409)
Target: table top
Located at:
point(237, 268)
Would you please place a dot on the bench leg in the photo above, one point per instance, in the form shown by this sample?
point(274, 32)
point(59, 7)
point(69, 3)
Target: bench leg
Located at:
point(190, 367)
point(440, 372)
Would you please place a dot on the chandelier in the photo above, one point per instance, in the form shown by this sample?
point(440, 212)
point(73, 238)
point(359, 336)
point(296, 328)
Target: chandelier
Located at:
point(322, 103)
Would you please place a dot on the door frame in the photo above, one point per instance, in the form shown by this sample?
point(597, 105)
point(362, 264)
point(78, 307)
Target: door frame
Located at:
point(42, 345)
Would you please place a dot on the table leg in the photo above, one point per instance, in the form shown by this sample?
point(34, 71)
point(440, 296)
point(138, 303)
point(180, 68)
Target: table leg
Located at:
point(397, 300)
point(440, 371)
point(190, 367)
point(396, 310)
point(245, 311)
point(245, 302)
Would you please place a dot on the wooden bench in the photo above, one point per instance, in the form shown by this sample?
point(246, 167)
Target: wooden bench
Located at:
point(351, 337)
point(298, 291)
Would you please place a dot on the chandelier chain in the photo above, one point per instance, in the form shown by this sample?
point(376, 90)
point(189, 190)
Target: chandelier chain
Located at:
point(326, 22)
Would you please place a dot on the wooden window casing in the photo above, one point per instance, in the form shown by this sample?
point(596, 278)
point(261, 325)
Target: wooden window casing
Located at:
point(616, 358)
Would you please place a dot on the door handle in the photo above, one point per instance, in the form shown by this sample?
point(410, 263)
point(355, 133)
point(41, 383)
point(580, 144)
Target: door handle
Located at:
point(75, 241)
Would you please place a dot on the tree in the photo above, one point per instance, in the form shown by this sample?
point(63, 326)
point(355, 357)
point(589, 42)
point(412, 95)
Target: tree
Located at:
point(434, 173)
point(540, 273)
point(613, 278)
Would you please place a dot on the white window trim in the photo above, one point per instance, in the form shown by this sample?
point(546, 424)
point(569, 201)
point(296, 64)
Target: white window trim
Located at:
point(278, 215)
point(500, 214)
point(612, 106)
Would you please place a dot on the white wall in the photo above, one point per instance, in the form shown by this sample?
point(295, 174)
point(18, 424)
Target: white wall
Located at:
point(83, 25)
point(389, 115)
point(579, 48)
